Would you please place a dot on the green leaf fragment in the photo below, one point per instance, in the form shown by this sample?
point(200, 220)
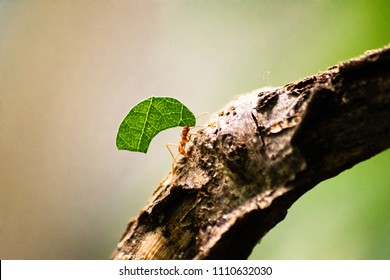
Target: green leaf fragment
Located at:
point(149, 117)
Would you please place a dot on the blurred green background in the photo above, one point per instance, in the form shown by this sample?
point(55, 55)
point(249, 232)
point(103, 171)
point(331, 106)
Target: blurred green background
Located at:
point(71, 70)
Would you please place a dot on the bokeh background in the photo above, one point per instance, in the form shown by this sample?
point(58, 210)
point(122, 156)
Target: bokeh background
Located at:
point(71, 70)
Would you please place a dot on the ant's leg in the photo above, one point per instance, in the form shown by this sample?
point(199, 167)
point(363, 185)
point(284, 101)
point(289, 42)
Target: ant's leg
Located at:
point(203, 114)
point(173, 157)
point(198, 126)
point(170, 151)
point(193, 134)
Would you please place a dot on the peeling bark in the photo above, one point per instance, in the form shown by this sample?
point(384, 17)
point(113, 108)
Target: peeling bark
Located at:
point(257, 156)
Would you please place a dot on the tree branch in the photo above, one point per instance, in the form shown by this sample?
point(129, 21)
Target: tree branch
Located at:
point(257, 156)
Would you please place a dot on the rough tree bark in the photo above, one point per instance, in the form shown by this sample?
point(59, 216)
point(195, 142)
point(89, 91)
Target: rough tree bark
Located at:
point(257, 156)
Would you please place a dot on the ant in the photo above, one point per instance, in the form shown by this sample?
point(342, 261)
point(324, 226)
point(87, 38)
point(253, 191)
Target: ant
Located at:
point(181, 147)
point(185, 138)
